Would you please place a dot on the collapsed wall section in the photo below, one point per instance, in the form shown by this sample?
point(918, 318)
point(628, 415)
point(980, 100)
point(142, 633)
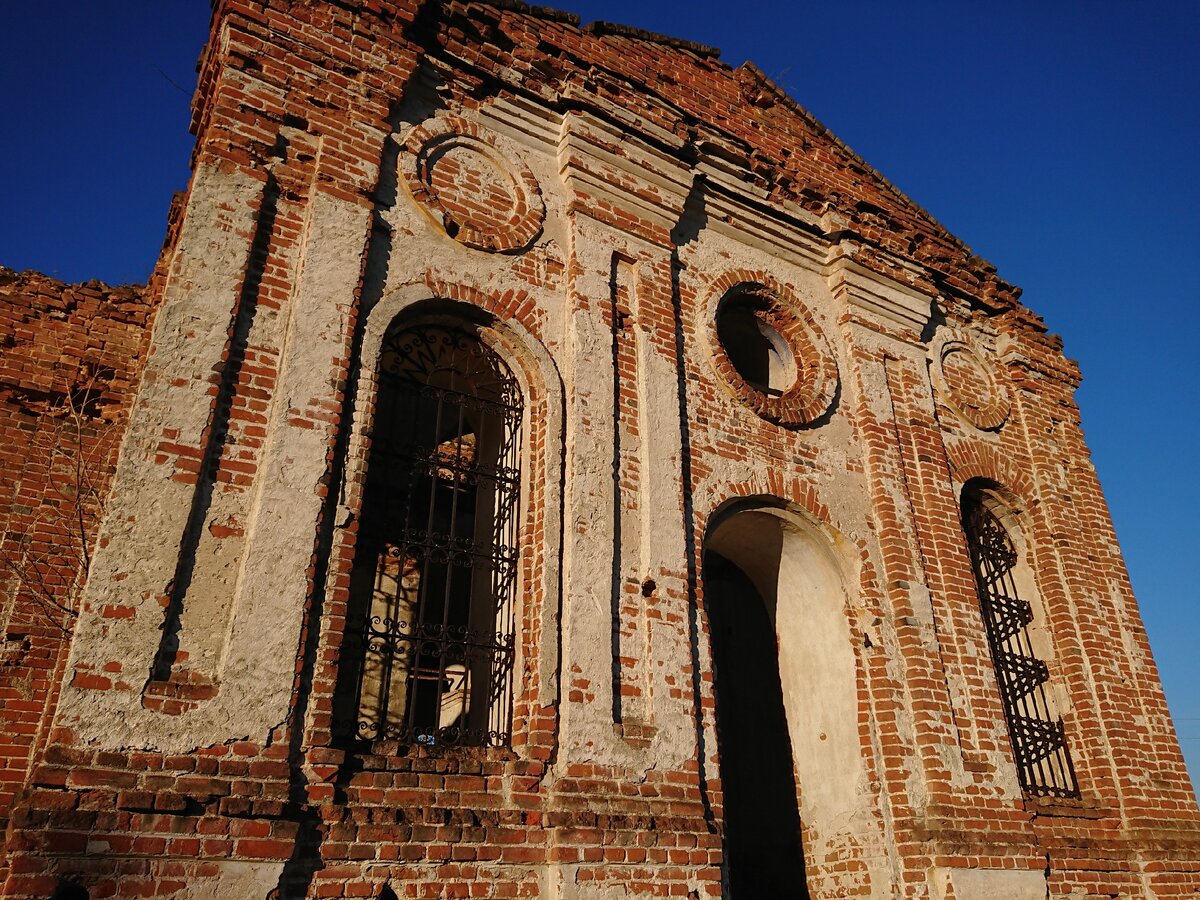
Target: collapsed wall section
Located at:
point(69, 365)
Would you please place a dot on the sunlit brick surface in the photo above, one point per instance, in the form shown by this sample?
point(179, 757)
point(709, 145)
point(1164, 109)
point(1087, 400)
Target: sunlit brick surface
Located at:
point(174, 614)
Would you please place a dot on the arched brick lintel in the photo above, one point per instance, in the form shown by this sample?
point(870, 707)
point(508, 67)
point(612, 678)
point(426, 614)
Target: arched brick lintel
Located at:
point(970, 460)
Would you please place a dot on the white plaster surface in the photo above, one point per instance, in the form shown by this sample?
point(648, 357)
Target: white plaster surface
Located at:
point(987, 884)
point(246, 610)
point(236, 880)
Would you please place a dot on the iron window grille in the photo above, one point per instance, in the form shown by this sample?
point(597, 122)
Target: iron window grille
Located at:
point(433, 585)
point(1038, 739)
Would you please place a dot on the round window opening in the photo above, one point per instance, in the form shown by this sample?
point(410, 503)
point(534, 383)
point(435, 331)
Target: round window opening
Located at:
point(758, 352)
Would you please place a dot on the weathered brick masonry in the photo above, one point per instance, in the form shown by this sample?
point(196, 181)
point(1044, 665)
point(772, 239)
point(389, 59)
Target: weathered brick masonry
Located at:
point(71, 358)
point(736, 348)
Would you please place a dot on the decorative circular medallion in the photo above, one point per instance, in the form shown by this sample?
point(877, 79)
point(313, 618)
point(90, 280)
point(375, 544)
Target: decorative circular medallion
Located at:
point(482, 197)
point(968, 381)
point(768, 349)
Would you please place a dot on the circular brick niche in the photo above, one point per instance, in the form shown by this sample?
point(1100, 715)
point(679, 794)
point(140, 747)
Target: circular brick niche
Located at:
point(483, 197)
point(768, 350)
point(968, 382)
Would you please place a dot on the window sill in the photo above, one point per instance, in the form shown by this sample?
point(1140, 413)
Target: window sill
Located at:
point(391, 755)
point(1066, 808)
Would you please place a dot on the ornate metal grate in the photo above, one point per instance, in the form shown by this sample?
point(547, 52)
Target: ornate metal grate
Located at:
point(436, 565)
point(1039, 742)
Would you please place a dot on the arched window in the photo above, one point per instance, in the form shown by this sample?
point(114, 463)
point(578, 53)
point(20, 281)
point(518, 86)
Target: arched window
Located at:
point(431, 620)
point(1001, 574)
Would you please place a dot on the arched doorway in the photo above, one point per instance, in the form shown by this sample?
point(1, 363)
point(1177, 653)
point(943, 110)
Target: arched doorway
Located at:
point(786, 699)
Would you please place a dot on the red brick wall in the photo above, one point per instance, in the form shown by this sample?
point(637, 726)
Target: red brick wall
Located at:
point(141, 823)
point(70, 362)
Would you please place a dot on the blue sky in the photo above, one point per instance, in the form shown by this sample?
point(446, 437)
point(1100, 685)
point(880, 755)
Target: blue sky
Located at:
point(1059, 139)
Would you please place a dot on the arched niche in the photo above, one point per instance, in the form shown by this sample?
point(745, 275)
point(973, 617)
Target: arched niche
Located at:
point(787, 700)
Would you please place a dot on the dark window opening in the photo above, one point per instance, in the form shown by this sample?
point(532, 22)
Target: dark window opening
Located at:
point(763, 850)
point(1039, 741)
point(756, 349)
point(431, 631)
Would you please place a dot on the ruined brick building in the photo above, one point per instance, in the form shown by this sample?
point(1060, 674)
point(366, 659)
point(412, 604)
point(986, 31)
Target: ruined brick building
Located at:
point(547, 463)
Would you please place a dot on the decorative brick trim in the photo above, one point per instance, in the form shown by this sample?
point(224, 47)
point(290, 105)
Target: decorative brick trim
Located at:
point(515, 305)
point(976, 460)
point(505, 216)
point(968, 381)
point(810, 395)
point(787, 492)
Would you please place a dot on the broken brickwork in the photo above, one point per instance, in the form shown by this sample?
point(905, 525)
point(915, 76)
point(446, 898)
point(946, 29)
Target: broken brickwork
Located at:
point(70, 363)
point(735, 344)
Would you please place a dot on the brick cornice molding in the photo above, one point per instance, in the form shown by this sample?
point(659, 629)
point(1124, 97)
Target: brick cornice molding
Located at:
point(881, 303)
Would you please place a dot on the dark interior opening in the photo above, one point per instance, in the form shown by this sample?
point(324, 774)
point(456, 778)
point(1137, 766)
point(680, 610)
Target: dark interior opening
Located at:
point(756, 349)
point(69, 889)
point(763, 853)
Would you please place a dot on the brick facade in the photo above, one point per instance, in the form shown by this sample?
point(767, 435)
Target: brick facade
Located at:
point(174, 615)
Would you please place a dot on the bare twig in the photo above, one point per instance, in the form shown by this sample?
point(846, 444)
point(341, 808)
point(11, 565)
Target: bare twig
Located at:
point(50, 562)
